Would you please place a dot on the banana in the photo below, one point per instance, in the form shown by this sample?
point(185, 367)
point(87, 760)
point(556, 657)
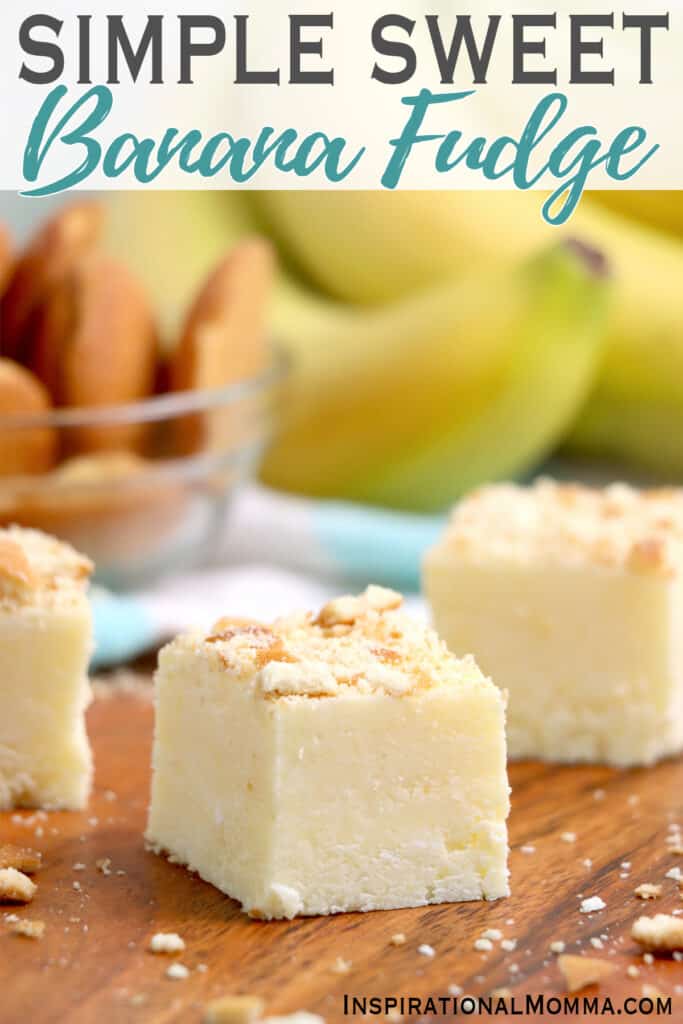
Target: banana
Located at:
point(659, 209)
point(371, 247)
point(411, 404)
point(635, 411)
point(377, 247)
point(415, 403)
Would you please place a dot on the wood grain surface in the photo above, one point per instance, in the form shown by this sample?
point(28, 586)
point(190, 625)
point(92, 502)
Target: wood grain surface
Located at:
point(92, 964)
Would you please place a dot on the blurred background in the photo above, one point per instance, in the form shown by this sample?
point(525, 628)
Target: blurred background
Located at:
point(239, 394)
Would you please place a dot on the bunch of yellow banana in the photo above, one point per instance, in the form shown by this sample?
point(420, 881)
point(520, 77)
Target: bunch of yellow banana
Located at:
point(414, 401)
point(370, 247)
point(441, 339)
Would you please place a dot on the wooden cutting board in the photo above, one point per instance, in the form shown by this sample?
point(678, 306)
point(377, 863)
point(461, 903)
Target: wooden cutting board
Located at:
point(93, 965)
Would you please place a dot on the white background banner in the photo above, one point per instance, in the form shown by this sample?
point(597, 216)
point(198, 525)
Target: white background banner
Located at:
point(223, 131)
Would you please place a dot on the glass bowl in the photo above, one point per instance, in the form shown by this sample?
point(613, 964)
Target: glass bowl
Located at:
point(143, 488)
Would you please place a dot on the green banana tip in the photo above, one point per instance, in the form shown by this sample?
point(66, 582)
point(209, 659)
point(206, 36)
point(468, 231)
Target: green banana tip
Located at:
point(594, 260)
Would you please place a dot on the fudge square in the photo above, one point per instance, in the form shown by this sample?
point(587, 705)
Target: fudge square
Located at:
point(572, 599)
point(327, 764)
point(45, 646)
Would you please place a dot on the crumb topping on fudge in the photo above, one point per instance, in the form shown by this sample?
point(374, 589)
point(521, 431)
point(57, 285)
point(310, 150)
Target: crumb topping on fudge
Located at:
point(366, 642)
point(37, 569)
point(617, 527)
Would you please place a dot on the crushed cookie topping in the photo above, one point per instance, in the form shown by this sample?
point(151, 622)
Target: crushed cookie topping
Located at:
point(615, 527)
point(35, 567)
point(226, 628)
point(365, 643)
point(17, 579)
point(347, 610)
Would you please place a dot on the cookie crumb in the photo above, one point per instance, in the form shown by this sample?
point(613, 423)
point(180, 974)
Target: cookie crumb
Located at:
point(592, 903)
point(177, 972)
point(662, 933)
point(28, 929)
point(581, 971)
point(233, 1010)
point(15, 886)
point(647, 891)
point(166, 942)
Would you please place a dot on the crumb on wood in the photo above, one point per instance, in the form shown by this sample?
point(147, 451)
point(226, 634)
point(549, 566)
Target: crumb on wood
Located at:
point(233, 1010)
point(177, 972)
point(648, 891)
point(341, 966)
point(662, 933)
point(15, 886)
point(29, 929)
point(580, 971)
point(167, 943)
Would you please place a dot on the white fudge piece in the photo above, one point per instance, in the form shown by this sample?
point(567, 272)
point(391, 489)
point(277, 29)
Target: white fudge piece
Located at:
point(347, 762)
point(572, 600)
point(45, 645)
